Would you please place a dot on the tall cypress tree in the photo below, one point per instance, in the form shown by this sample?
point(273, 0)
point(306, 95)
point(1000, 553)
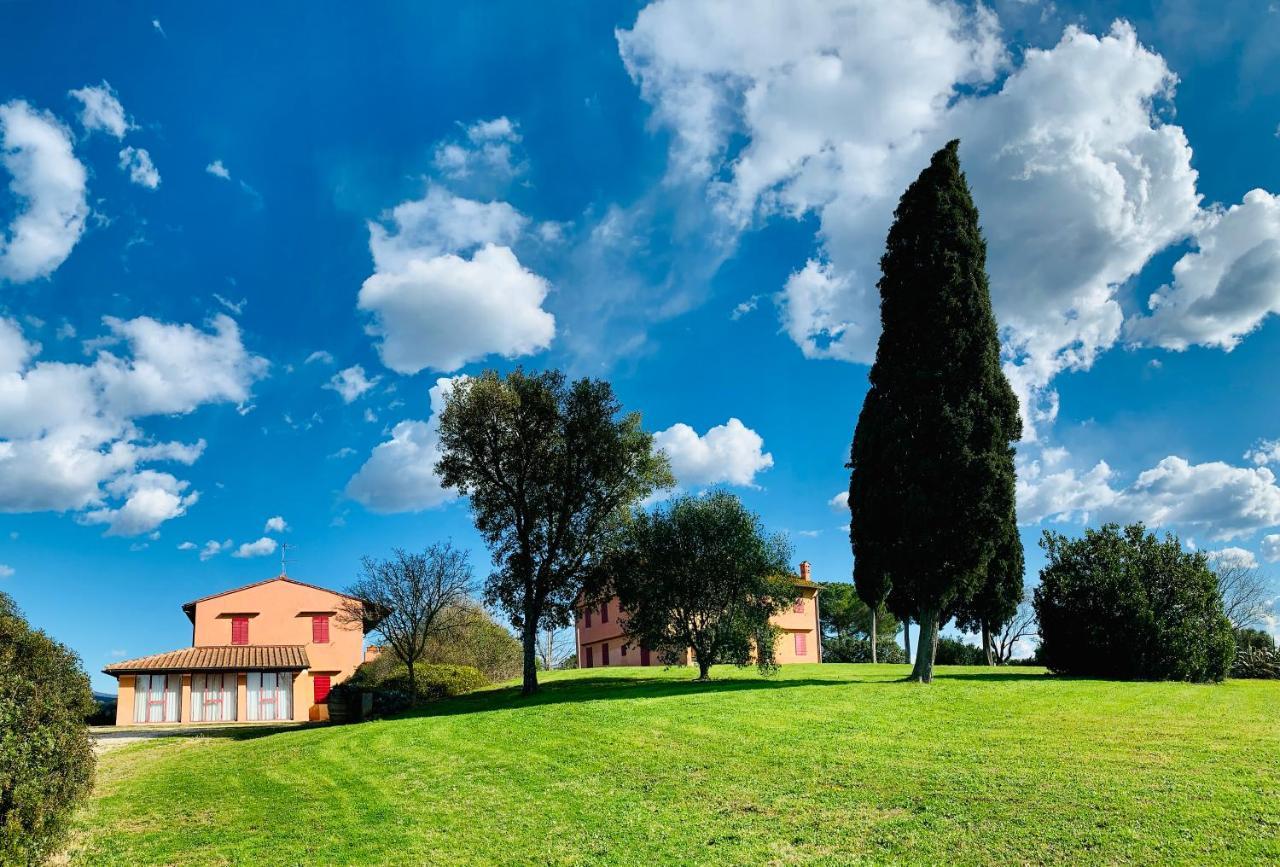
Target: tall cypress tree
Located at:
point(931, 486)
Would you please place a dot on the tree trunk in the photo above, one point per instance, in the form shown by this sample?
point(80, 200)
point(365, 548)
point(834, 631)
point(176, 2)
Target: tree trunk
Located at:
point(873, 637)
point(704, 667)
point(923, 670)
point(413, 688)
point(906, 637)
point(529, 635)
point(986, 645)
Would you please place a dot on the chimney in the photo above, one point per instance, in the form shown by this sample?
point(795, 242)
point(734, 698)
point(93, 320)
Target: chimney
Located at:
point(804, 570)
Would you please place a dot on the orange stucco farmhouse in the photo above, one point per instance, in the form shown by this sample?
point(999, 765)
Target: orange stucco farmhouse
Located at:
point(602, 641)
point(264, 652)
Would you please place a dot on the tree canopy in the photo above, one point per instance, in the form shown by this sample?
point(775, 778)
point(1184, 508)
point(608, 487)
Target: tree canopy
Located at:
point(551, 470)
point(931, 486)
point(1129, 605)
point(700, 573)
point(46, 758)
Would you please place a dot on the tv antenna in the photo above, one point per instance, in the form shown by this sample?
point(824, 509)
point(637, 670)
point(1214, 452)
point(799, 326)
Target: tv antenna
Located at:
point(284, 559)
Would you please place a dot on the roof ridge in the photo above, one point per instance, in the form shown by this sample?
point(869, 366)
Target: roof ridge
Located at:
point(288, 578)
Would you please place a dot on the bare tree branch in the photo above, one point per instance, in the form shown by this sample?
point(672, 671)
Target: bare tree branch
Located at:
point(1243, 590)
point(411, 599)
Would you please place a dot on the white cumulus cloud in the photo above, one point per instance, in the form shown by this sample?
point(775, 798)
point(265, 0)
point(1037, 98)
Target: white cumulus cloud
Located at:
point(731, 453)
point(213, 548)
point(70, 438)
point(1213, 499)
point(100, 109)
point(275, 524)
point(840, 502)
point(1270, 547)
point(448, 289)
point(1233, 557)
point(48, 183)
point(142, 171)
point(351, 383)
point(218, 170)
point(1226, 287)
point(488, 149)
point(833, 108)
point(400, 474)
point(261, 548)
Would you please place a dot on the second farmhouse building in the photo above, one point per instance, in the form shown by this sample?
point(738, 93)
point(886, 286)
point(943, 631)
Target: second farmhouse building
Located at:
point(602, 641)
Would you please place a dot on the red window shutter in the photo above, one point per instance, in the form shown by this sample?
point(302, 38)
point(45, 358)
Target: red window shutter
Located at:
point(320, 629)
point(604, 654)
point(588, 617)
point(802, 648)
point(590, 660)
point(239, 630)
point(320, 683)
point(604, 612)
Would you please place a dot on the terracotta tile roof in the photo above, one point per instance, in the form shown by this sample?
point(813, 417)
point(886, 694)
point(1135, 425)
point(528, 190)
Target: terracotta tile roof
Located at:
point(249, 657)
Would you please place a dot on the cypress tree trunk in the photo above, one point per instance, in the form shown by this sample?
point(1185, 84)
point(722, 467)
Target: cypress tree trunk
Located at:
point(906, 637)
point(923, 670)
point(874, 660)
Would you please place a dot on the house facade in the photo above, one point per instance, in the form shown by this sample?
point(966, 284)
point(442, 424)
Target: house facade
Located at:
point(603, 643)
point(268, 651)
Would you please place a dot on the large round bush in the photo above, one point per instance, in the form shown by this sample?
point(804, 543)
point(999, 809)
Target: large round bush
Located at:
point(46, 760)
point(1127, 604)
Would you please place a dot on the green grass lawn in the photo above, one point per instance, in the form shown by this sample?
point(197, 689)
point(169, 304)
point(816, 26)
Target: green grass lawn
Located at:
point(827, 764)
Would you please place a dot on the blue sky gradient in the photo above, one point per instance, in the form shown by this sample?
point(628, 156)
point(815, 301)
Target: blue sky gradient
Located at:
point(325, 116)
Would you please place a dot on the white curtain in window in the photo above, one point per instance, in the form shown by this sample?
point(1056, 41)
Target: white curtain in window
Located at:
point(269, 696)
point(284, 696)
point(253, 694)
point(228, 697)
point(172, 697)
point(141, 684)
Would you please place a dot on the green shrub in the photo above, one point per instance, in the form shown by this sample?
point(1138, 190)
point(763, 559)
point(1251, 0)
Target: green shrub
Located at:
point(387, 679)
point(1126, 604)
point(479, 641)
point(46, 759)
point(849, 649)
point(952, 651)
point(1257, 662)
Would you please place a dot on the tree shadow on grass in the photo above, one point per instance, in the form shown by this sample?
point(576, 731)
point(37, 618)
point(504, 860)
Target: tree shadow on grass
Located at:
point(585, 689)
point(1001, 675)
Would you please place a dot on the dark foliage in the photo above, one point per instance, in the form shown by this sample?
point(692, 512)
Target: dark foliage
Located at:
point(1127, 604)
point(850, 649)
point(951, 651)
point(994, 603)
point(550, 470)
point(700, 573)
point(844, 617)
point(931, 488)
point(1254, 639)
point(46, 759)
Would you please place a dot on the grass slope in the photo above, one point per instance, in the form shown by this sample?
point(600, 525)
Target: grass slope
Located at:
point(828, 764)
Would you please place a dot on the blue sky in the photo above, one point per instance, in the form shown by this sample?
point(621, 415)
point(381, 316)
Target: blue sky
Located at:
point(242, 249)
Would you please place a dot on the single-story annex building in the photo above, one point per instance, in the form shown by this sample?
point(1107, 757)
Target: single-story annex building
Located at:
point(263, 652)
